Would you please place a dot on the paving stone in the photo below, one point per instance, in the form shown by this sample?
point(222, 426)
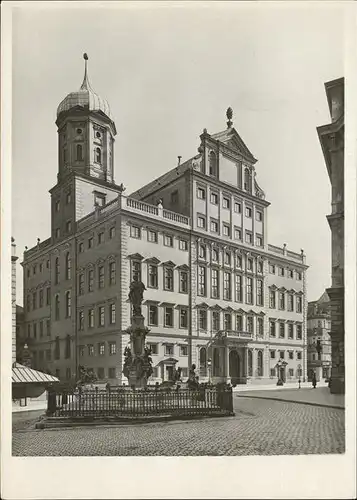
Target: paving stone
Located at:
point(260, 427)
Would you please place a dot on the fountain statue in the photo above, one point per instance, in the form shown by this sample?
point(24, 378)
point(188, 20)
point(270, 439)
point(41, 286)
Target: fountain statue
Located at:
point(137, 358)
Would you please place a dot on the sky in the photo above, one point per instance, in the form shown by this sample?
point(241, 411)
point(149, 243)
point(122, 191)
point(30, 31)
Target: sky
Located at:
point(169, 71)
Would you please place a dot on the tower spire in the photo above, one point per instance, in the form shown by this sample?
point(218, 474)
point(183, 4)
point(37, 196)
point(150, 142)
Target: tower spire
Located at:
point(85, 84)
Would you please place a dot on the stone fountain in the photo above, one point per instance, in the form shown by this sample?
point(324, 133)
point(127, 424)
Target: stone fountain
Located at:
point(137, 359)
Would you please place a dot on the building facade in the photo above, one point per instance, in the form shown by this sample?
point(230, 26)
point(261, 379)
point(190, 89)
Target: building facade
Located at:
point(217, 294)
point(318, 338)
point(332, 142)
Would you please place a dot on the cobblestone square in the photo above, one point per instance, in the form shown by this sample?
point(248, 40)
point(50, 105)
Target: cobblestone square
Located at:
point(260, 427)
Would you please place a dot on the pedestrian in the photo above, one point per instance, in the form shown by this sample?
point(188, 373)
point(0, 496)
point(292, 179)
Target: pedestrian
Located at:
point(314, 380)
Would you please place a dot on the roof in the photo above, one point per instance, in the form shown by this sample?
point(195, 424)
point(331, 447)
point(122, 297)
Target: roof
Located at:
point(85, 97)
point(24, 375)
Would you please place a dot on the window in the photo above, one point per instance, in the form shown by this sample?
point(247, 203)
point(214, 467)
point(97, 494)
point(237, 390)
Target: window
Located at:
point(281, 271)
point(183, 350)
point(272, 299)
point(239, 322)
point(212, 160)
point(227, 258)
point(183, 245)
point(57, 271)
point(48, 327)
point(214, 226)
point(153, 348)
point(152, 236)
point(271, 268)
point(79, 152)
point(90, 280)
point(68, 304)
point(68, 198)
point(290, 302)
point(290, 273)
point(201, 280)
point(135, 270)
point(34, 269)
point(250, 264)
point(249, 291)
point(201, 222)
point(281, 330)
point(57, 308)
point(41, 328)
point(238, 288)
point(68, 226)
point(214, 255)
point(281, 300)
point(202, 252)
point(101, 277)
point(298, 304)
point(81, 320)
point(202, 319)
point(91, 318)
point(174, 197)
point(225, 202)
point(153, 315)
point(228, 321)
point(290, 331)
point(40, 298)
point(298, 355)
point(214, 198)
point(226, 230)
point(112, 372)
point(41, 268)
point(260, 327)
point(68, 266)
point(237, 233)
point(112, 273)
point(81, 284)
point(248, 212)
point(169, 349)
point(57, 348)
point(227, 286)
point(272, 328)
point(101, 318)
point(99, 199)
point(237, 207)
point(291, 355)
point(90, 350)
point(258, 216)
point(238, 261)
point(101, 349)
point(58, 232)
point(272, 354)
point(57, 205)
point(259, 240)
point(111, 232)
point(259, 292)
point(215, 321)
point(248, 237)
point(201, 193)
point(214, 283)
point(298, 276)
point(112, 314)
point(100, 238)
point(98, 155)
point(183, 318)
point(135, 232)
point(250, 324)
point(183, 281)
point(112, 348)
point(100, 373)
point(260, 371)
point(169, 317)
point(152, 276)
point(272, 372)
point(168, 279)
point(298, 332)
point(168, 241)
point(67, 353)
point(282, 354)
point(260, 267)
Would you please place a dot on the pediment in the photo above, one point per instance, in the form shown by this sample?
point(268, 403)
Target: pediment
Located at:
point(183, 267)
point(152, 260)
point(203, 305)
point(169, 263)
point(234, 142)
point(135, 256)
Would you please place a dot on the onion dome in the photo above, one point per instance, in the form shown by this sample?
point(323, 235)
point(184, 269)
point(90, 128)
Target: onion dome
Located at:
point(85, 97)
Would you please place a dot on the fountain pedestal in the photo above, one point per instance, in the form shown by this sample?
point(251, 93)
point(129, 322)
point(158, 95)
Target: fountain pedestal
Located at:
point(137, 364)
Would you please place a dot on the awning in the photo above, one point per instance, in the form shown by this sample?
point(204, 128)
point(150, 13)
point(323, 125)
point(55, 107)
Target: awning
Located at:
point(23, 375)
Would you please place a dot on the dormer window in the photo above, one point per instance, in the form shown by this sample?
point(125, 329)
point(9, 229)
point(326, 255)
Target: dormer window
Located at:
point(79, 150)
point(98, 155)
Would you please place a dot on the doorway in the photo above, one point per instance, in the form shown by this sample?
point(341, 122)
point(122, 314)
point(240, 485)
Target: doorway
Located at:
point(234, 365)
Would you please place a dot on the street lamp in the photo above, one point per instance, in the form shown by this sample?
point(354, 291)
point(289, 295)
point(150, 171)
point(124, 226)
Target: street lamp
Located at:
point(209, 364)
point(280, 364)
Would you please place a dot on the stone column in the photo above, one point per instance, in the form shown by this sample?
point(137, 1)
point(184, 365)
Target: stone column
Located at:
point(226, 359)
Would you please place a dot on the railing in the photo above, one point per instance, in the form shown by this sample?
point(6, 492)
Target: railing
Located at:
point(38, 247)
point(129, 403)
point(154, 210)
point(273, 248)
point(286, 253)
point(143, 207)
point(182, 219)
point(239, 334)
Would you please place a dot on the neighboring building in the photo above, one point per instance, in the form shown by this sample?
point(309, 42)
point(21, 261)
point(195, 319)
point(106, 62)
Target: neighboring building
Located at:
point(21, 339)
point(318, 338)
point(197, 238)
point(332, 138)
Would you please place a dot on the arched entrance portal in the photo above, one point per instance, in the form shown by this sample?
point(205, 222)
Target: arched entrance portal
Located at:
point(234, 365)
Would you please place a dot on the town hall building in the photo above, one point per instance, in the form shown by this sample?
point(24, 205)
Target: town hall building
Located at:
point(218, 295)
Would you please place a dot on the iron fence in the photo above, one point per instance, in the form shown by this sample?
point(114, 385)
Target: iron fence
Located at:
point(124, 403)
